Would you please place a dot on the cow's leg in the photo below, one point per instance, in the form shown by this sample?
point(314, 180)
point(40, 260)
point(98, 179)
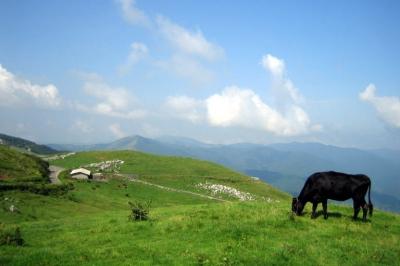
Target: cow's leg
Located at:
point(365, 210)
point(356, 206)
point(314, 208)
point(325, 207)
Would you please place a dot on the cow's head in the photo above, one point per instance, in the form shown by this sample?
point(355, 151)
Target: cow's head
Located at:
point(297, 206)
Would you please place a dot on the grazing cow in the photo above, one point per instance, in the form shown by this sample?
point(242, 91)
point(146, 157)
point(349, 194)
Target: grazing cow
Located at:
point(322, 186)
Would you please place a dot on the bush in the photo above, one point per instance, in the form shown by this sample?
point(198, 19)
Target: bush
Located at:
point(24, 179)
point(73, 197)
point(38, 188)
point(140, 210)
point(10, 236)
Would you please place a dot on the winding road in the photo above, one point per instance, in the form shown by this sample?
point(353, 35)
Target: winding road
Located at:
point(54, 172)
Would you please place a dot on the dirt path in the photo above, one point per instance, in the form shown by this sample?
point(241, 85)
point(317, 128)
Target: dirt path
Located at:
point(173, 189)
point(54, 172)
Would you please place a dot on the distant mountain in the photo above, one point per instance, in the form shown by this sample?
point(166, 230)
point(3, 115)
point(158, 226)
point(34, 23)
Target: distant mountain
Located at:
point(77, 147)
point(183, 141)
point(137, 143)
point(284, 165)
point(26, 145)
point(391, 155)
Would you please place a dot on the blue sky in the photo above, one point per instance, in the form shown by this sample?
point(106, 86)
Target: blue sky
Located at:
point(221, 72)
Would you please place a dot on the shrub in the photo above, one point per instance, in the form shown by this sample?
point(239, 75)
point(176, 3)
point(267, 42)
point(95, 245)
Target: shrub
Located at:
point(10, 236)
point(140, 210)
point(38, 188)
point(73, 197)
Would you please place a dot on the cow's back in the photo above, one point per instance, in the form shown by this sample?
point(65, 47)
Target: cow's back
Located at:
point(334, 185)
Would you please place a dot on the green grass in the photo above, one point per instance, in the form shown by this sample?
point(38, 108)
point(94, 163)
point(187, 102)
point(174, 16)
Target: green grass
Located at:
point(175, 172)
point(140, 163)
point(214, 234)
point(17, 166)
point(90, 225)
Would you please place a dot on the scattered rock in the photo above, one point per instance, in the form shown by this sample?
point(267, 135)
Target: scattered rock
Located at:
point(112, 166)
point(13, 208)
point(61, 156)
point(222, 189)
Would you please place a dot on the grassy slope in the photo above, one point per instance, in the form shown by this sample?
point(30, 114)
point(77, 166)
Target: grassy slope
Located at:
point(90, 226)
point(26, 145)
point(176, 172)
point(19, 166)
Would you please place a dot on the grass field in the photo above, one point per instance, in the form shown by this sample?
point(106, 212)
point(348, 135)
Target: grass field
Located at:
point(176, 172)
point(17, 166)
point(90, 225)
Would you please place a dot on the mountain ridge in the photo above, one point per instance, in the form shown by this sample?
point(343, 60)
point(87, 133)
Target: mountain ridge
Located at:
point(26, 145)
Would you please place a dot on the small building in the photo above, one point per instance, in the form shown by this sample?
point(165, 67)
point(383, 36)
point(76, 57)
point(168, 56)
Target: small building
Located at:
point(81, 173)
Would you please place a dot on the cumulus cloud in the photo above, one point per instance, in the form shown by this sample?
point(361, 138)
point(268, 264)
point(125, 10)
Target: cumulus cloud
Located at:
point(275, 65)
point(387, 107)
point(282, 87)
point(193, 43)
point(241, 107)
point(15, 91)
point(110, 101)
point(116, 130)
point(132, 14)
point(186, 108)
point(137, 52)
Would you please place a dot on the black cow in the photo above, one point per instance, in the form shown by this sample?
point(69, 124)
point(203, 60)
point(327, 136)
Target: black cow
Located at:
point(322, 186)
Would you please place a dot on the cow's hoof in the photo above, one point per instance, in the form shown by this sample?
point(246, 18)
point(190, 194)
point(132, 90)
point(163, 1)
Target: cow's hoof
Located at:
point(325, 217)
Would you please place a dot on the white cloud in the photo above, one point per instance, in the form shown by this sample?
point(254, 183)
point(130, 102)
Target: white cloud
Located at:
point(242, 107)
point(388, 107)
point(282, 87)
point(115, 102)
point(138, 52)
point(275, 65)
point(191, 49)
point(188, 68)
point(15, 91)
point(235, 106)
point(132, 14)
point(116, 130)
point(192, 43)
point(186, 108)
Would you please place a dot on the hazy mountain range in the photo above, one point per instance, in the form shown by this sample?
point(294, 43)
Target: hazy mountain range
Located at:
point(284, 165)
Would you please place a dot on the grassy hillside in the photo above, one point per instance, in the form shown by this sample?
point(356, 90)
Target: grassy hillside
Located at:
point(26, 145)
point(17, 166)
point(284, 165)
point(176, 172)
point(90, 225)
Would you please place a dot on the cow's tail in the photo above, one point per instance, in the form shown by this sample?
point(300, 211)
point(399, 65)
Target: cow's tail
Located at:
point(370, 206)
